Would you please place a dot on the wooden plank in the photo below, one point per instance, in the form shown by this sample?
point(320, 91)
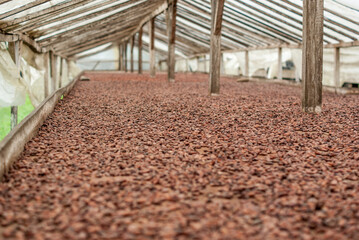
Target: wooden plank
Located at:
point(215, 51)
point(337, 67)
point(23, 8)
point(313, 19)
point(286, 16)
point(55, 14)
point(326, 19)
point(140, 50)
point(134, 28)
point(42, 15)
point(132, 47)
point(171, 62)
point(95, 42)
point(152, 48)
point(250, 26)
point(280, 59)
point(13, 144)
point(62, 25)
point(8, 37)
point(127, 18)
point(342, 44)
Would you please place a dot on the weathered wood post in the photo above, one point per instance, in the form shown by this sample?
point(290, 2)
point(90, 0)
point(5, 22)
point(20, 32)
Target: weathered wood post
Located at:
point(313, 16)
point(46, 77)
point(61, 72)
point(53, 71)
point(15, 52)
point(152, 48)
point(280, 59)
point(120, 59)
point(132, 47)
point(125, 55)
point(337, 68)
point(140, 50)
point(197, 58)
point(246, 63)
point(171, 29)
point(68, 63)
point(215, 52)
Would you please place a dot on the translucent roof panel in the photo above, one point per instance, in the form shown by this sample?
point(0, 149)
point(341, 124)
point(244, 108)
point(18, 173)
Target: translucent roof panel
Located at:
point(69, 26)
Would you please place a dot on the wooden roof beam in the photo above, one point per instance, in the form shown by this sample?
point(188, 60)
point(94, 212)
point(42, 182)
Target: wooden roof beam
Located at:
point(23, 8)
point(41, 15)
point(60, 26)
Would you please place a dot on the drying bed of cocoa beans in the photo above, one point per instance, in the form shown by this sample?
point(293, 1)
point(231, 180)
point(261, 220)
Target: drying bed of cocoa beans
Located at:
point(129, 157)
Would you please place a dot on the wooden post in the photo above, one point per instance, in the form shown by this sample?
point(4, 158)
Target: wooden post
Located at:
point(313, 17)
point(246, 64)
point(53, 71)
point(120, 59)
point(68, 63)
point(140, 50)
point(152, 48)
point(15, 52)
point(215, 52)
point(61, 72)
point(132, 46)
point(187, 70)
point(46, 77)
point(125, 55)
point(171, 29)
point(280, 70)
point(337, 68)
point(197, 58)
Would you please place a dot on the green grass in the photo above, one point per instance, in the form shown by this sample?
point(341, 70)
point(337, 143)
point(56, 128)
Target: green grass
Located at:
point(5, 113)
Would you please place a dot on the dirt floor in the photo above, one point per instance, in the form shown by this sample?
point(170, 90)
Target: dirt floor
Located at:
point(129, 157)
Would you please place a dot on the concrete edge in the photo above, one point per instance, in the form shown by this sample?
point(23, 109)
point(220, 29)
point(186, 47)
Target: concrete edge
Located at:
point(13, 144)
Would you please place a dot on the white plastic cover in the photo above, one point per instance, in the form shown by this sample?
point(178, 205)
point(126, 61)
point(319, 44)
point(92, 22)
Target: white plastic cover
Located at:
point(12, 90)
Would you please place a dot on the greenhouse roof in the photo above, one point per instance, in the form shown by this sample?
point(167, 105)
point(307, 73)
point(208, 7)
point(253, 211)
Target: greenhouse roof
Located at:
point(70, 28)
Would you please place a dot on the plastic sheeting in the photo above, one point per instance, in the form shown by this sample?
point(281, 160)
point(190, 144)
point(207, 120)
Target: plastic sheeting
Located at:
point(264, 63)
point(13, 88)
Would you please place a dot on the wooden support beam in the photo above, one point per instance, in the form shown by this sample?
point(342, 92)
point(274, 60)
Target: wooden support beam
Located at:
point(53, 64)
point(140, 50)
point(215, 52)
point(125, 56)
point(68, 63)
point(246, 63)
point(280, 59)
point(46, 77)
point(313, 18)
point(120, 59)
point(152, 48)
point(171, 28)
point(22, 8)
point(61, 72)
point(15, 52)
point(337, 67)
point(132, 47)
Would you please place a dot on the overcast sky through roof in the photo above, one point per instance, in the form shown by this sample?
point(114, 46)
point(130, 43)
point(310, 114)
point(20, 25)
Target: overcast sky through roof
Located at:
point(350, 3)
